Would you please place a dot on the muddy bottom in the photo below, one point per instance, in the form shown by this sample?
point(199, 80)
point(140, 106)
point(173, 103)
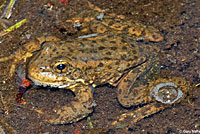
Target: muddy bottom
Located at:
point(178, 21)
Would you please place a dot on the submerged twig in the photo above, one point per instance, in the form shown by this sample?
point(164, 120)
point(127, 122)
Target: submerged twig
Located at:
point(90, 123)
point(12, 28)
point(3, 4)
point(8, 10)
point(7, 126)
point(4, 22)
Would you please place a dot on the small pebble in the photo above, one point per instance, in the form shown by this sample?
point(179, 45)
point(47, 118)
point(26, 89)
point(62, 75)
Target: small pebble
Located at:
point(1, 130)
point(28, 36)
point(46, 133)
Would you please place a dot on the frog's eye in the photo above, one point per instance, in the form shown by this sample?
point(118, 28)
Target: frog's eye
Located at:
point(60, 67)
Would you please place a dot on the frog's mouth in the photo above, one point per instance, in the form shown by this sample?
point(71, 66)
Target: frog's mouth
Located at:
point(48, 79)
point(53, 85)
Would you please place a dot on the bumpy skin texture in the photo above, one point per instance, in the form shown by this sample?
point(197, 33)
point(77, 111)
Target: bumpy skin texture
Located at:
point(110, 57)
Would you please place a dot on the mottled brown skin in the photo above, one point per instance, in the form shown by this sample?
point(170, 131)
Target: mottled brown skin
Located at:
point(93, 62)
point(110, 57)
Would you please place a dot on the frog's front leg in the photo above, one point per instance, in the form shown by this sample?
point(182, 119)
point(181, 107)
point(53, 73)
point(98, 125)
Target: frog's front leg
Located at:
point(75, 110)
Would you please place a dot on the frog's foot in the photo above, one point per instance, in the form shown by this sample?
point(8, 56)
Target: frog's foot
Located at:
point(138, 114)
point(76, 110)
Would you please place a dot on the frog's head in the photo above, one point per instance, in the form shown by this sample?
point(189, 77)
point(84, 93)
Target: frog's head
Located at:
point(51, 67)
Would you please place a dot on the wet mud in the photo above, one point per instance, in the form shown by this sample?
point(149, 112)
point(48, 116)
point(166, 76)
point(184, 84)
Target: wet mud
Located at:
point(177, 20)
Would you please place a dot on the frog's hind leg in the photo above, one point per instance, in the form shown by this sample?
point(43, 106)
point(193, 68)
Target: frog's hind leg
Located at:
point(75, 110)
point(158, 95)
point(132, 91)
point(139, 114)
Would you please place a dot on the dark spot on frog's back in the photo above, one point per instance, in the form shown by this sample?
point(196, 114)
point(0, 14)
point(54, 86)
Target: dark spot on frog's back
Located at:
point(70, 49)
point(113, 48)
point(135, 57)
point(109, 67)
point(101, 48)
point(107, 58)
point(108, 53)
point(111, 23)
point(69, 54)
point(103, 40)
point(134, 51)
point(123, 41)
point(113, 42)
point(82, 51)
point(124, 48)
point(119, 91)
point(74, 58)
point(94, 41)
point(123, 57)
point(117, 63)
point(73, 108)
point(54, 49)
point(100, 65)
point(141, 50)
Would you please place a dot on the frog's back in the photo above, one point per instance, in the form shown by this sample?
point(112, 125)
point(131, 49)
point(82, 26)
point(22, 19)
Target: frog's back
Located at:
point(111, 51)
point(113, 48)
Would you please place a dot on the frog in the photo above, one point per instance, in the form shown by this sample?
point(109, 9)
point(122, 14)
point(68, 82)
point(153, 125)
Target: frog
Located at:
point(108, 55)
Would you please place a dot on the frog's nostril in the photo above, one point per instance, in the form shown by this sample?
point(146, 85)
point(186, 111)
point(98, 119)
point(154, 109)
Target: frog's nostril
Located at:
point(42, 68)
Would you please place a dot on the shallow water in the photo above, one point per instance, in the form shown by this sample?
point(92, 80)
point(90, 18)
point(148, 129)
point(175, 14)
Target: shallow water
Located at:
point(178, 22)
